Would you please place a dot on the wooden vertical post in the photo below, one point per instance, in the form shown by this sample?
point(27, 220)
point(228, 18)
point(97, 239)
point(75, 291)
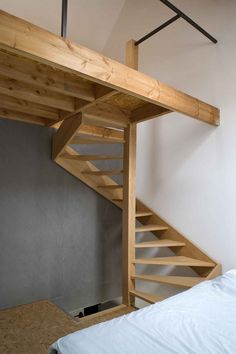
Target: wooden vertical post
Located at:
point(129, 193)
point(129, 213)
point(131, 54)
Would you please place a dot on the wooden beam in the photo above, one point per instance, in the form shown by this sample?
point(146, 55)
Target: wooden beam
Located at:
point(131, 54)
point(21, 37)
point(65, 134)
point(23, 117)
point(100, 132)
point(148, 111)
point(107, 114)
point(31, 72)
point(23, 106)
point(34, 94)
point(129, 211)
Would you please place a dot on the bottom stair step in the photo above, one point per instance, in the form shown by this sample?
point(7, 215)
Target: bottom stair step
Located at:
point(187, 282)
point(152, 299)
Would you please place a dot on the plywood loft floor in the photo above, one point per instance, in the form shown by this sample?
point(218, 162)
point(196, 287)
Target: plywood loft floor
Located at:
point(31, 328)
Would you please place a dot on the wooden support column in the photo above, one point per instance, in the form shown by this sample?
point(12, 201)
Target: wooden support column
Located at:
point(129, 194)
point(131, 54)
point(129, 213)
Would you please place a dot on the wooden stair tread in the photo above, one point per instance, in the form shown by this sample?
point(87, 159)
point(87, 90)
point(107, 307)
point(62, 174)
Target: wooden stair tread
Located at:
point(146, 228)
point(117, 200)
point(151, 298)
point(174, 280)
point(159, 243)
point(143, 213)
point(91, 157)
point(95, 140)
point(175, 260)
point(103, 173)
point(111, 186)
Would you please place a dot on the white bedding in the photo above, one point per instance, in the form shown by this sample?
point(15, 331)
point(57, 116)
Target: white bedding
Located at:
point(201, 320)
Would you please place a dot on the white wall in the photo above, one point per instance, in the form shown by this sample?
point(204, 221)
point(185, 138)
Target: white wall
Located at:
point(89, 21)
point(187, 169)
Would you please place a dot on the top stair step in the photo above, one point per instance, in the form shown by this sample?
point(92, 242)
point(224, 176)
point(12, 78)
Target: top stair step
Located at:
point(147, 228)
point(152, 299)
point(176, 261)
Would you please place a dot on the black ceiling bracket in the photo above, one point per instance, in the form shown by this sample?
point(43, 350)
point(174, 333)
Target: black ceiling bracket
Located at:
point(179, 14)
point(64, 18)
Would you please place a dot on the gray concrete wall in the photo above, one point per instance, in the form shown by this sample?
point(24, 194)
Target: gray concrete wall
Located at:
point(58, 238)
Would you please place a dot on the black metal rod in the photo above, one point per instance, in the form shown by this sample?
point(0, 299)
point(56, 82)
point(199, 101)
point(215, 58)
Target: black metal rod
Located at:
point(64, 18)
point(167, 23)
point(189, 20)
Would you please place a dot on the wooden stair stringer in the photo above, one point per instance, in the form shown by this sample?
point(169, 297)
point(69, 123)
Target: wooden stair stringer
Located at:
point(76, 168)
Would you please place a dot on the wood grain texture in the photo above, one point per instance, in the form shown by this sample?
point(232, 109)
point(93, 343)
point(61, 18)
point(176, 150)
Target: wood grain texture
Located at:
point(129, 211)
point(187, 282)
point(65, 134)
point(27, 40)
point(175, 260)
point(159, 243)
point(151, 298)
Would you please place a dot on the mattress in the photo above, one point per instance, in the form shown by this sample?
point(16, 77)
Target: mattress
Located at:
point(201, 320)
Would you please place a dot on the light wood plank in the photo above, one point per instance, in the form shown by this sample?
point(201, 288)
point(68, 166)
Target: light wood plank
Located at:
point(104, 173)
point(151, 298)
point(93, 140)
point(187, 282)
point(176, 260)
point(140, 214)
point(22, 37)
point(23, 117)
point(101, 132)
point(24, 106)
point(28, 71)
point(159, 243)
point(35, 94)
point(215, 272)
point(64, 134)
point(148, 111)
point(91, 157)
point(150, 228)
point(111, 186)
point(129, 211)
point(131, 54)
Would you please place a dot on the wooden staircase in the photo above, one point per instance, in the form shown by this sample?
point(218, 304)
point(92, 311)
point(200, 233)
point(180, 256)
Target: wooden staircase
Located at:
point(75, 131)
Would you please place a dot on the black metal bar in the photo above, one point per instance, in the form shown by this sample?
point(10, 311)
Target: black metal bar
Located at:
point(167, 23)
point(64, 18)
point(189, 20)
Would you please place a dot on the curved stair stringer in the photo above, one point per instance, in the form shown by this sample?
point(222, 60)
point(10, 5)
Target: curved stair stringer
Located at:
point(185, 252)
point(146, 216)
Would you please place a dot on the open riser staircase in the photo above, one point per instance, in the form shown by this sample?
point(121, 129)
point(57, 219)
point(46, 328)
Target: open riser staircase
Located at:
point(74, 134)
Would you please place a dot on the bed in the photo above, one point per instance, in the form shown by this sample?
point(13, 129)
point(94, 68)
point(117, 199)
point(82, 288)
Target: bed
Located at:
point(201, 320)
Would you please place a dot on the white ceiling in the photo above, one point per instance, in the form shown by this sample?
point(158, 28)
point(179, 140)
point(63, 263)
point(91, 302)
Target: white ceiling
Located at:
point(90, 22)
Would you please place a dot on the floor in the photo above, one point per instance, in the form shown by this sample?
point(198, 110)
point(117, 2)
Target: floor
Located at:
point(31, 328)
